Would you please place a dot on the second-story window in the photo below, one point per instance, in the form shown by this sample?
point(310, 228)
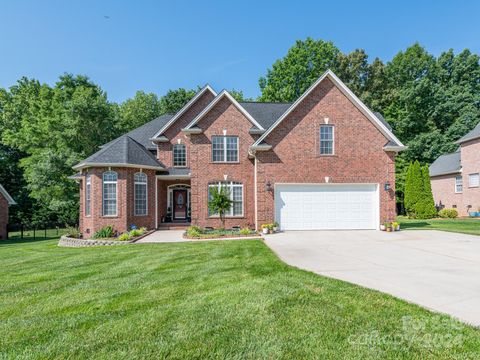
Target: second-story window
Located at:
point(225, 149)
point(179, 155)
point(326, 140)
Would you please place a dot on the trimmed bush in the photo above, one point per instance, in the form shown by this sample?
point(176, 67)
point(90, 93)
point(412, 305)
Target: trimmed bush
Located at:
point(137, 232)
point(106, 232)
point(73, 232)
point(194, 231)
point(448, 213)
point(245, 231)
point(124, 237)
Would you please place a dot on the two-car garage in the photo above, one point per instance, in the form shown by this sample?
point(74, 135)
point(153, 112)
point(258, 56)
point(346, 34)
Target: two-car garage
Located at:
point(327, 206)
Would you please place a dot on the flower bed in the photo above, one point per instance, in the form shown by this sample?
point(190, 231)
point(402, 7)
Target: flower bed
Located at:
point(104, 237)
point(195, 232)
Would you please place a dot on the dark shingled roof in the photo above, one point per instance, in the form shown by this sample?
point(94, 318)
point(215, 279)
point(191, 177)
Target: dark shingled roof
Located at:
point(382, 119)
point(265, 113)
point(475, 133)
point(176, 171)
point(446, 164)
point(144, 133)
point(122, 151)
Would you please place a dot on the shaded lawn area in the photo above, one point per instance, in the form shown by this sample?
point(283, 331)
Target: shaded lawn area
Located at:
point(231, 299)
point(466, 226)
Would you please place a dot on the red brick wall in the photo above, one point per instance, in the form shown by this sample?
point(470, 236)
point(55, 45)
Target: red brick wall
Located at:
point(3, 217)
point(359, 156)
point(125, 202)
point(224, 116)
point(443, 189)
point(470, 153)
point(174, 132)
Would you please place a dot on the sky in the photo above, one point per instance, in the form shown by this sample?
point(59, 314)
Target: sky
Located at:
point(154, 46)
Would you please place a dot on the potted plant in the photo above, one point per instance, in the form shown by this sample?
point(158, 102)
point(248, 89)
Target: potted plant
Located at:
point(265, 229)
point(389, 227)
point(168, 217)
point(383, 227)
point(275, 226)
point(396, 226)
point(270, 228)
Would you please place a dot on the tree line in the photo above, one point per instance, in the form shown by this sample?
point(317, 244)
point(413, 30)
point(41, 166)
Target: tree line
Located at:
point(430, 101)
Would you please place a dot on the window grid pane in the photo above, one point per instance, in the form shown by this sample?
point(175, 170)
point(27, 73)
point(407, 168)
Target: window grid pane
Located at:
point(110, 193)
point(236, 195)
point(326, 140)
point(232, 148)
point(458, 184)
point(474, 180)
point(218, 149)
point(88, 202)
point(179, 155)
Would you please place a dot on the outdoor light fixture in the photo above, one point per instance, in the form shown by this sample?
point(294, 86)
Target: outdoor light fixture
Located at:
point(387, 186)
point(268, 186)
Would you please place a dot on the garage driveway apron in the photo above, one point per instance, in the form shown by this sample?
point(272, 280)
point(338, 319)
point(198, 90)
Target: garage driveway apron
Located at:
point(438, 270)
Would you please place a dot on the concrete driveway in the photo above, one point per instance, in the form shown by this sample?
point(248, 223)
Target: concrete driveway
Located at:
point(435, 269)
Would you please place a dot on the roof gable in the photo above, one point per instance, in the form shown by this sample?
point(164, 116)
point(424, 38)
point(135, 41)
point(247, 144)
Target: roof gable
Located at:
point(471, 135)
point(182, 111)
point(446, 164)
point(379, 124)
point(224, 94)
point(7, 196)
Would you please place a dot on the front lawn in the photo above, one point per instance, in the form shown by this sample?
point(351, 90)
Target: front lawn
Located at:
point(232, 299)
point(465, 225)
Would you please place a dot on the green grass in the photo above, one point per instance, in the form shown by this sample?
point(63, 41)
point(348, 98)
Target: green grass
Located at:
point(465, 225)
point(231, 299)
point(39, 234)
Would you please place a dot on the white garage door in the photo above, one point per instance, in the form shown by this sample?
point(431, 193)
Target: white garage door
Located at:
point(326, 207)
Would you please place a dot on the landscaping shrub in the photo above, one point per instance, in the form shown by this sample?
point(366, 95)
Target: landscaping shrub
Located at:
point(194, 231)
point(106, 232)
point(73, 232)
point(124, 237)
point(137, 232)
point(245, 231)
point(448, 213)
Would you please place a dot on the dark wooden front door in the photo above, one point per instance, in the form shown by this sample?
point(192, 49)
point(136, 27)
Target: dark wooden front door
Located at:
point(179, 204)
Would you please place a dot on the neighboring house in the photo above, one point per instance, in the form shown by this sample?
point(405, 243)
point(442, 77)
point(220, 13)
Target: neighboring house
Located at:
point(323, 162)
point(455, 177)
point(5, 201)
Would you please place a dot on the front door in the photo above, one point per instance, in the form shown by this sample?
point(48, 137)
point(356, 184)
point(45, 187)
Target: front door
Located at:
point(179, 204)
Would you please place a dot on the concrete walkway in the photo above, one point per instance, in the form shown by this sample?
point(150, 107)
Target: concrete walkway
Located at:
point(174, 236)
point(435, 269)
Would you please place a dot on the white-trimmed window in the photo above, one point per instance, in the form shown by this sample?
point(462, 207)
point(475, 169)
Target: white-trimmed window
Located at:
point(88, 195)
point(458, 184)
point(110, 193)
point(235, 190)
point(140, 194)
point(180, 155)
point(225, 148)
point(474, 180)
point(326, 139)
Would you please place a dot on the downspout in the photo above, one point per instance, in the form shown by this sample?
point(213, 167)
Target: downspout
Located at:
point(255, 192)
point(156, 203)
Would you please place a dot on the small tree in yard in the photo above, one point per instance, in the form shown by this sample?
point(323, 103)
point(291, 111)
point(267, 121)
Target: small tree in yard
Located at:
point(418, 193)
point(220, 202)
point(427, 205)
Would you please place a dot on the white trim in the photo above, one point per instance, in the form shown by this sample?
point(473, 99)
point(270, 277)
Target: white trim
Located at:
point(349, 94)
point(461, 179)
point(103, 194)
point(394, 148)
point(226, 94)
point(470, 180)
point(135, 194)
point(225, 161)
point(320, 139)
point(88, 185)
point(377, 195)
point(184, 109)
point(173, 156)
point(108, 165)
point(156, 203)
point(170, 189)
point(7, 196)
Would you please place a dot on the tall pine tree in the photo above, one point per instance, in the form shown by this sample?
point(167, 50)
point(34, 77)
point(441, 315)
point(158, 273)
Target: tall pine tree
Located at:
point(426, 208)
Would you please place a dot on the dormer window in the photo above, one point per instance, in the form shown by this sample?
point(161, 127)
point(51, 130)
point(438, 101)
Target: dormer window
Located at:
point(179, 155)
point(225, 149)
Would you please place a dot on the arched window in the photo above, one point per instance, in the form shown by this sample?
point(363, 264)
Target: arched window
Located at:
point(235, 190)
point(88, 195)
point(110, 193)
point(140, 194)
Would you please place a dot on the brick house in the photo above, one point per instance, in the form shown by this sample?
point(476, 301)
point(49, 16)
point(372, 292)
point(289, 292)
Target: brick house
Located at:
point(323, 162)
point(455, 177)
point(5, 201)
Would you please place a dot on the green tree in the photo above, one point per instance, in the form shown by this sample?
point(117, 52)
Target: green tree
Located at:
point(220, 202)
point(138, 110)
point(414, 191)
point(427, 208)
point(174, 100)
